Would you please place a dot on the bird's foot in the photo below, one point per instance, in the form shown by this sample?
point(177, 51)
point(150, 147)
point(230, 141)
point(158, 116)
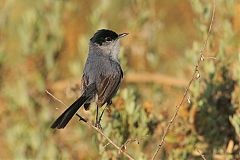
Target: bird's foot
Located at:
point(98, 125)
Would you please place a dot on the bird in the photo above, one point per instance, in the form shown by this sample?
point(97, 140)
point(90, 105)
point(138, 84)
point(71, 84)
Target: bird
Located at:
point(102, 76)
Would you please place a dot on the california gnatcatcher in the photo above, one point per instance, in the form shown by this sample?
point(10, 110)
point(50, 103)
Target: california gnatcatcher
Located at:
point(101, 78)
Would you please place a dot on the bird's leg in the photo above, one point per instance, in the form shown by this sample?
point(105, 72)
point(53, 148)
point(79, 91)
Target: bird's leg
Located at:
point(97, 123)
point(109, 102)
point(100, 118)
point(97, 115)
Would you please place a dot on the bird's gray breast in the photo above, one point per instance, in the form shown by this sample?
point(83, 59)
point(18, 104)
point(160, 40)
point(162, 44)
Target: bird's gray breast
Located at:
point(100, 65)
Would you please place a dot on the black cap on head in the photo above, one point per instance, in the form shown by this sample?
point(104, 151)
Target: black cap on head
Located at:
point(104, 35)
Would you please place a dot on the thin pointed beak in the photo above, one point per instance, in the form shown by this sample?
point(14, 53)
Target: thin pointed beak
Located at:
point(122, 35)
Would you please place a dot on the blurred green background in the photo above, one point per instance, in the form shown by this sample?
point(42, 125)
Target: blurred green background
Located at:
point(44, 44)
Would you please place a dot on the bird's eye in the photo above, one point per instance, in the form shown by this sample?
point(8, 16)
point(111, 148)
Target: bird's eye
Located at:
point(108, 39)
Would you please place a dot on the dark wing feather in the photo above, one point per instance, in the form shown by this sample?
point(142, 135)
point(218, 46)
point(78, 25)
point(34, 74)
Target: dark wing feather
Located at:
point(109, 85)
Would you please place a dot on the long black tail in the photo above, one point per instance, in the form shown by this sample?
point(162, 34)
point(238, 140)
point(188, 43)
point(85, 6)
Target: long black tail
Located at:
point(66, 116)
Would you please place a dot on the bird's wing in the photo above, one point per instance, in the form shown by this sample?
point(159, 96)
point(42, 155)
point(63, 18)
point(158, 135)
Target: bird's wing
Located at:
point(84, 82)
point(108, 86)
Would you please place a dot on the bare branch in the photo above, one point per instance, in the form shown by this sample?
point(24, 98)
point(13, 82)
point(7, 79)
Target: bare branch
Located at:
point(124, 146)
point(95, 128)
point(131, 140)
point(110, 141)
point(203, 157)
point(55, 98)
point(195, 76)
point(106, 145)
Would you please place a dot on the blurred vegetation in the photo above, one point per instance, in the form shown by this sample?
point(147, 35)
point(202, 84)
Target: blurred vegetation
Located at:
point(44, 44)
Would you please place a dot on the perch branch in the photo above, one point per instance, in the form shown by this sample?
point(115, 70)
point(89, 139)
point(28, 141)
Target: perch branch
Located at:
point(202, 156)
point(195, 76)
point(95, 128)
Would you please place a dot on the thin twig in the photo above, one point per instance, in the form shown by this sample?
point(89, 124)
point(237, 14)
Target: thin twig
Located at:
point(110, 141)
point(95, 128)
point(106, 145)
point(131, 140)
point(55, 98)
point(203, 157)
point(124, 146)
point(195, 76)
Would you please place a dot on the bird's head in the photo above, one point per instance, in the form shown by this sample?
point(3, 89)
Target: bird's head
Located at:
point(107, 41)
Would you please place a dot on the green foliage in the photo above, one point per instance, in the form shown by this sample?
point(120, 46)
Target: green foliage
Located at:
point(130, 121)
point(215, 103)
point(27, 52)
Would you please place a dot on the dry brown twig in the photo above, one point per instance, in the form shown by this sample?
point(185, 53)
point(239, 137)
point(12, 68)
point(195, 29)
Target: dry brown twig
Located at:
point(195, 76)
point(96, 129)
point(203, 157)
point(124, 146)
point(131, 140)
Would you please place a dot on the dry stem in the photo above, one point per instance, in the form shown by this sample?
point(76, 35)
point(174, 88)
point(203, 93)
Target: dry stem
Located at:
point(95, 128)
point(202, 156)
point(195, 76)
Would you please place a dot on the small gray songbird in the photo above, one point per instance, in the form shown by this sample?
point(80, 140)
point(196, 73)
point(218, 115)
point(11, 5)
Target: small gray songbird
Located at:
point(101, 78)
